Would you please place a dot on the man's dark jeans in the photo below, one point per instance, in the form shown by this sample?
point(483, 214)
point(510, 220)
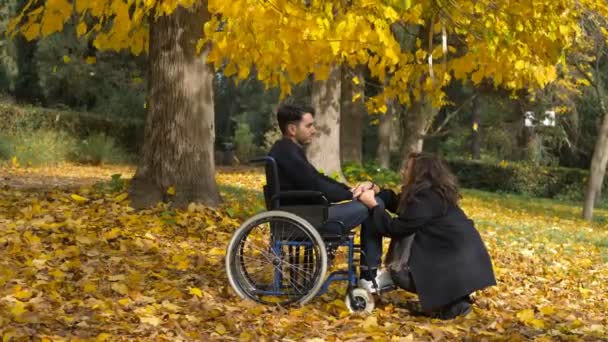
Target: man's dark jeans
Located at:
point(355, 213)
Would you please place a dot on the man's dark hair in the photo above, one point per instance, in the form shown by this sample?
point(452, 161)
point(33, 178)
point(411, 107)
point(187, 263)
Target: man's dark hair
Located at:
point(291, 114)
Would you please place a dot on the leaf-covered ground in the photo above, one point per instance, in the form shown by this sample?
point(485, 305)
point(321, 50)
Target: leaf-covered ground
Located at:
point(76, 263)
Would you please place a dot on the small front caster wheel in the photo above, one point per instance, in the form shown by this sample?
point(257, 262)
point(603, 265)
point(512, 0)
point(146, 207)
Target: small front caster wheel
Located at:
point(360, 300)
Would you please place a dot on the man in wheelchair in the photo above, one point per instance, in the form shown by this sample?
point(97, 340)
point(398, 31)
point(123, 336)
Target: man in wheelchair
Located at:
point(281, 256)
point(296, 173)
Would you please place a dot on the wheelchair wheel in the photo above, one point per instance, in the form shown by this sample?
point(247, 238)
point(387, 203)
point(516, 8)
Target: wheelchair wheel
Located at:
point(362, 301)
point(276, 257)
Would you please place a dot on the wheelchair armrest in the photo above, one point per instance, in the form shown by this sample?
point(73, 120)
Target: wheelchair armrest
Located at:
point(310, 197)
point(258, 160)
point(343, 230)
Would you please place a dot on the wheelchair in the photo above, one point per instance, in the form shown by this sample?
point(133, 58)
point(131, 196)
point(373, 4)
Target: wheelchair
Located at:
point(281, 256)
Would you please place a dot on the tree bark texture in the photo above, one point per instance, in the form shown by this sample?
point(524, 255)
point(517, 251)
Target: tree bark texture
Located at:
point(396, 127)
point(420, 115)
point(179, 135)
point(599, 161)
point(352, 113)
point(383, 152)
point(324, 152)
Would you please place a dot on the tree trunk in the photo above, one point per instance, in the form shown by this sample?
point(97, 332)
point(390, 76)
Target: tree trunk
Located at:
point(351, 113)
point(324, 152)
point(396, 128)
point(475, 145)
point(597, 171)
point(178, 144)
point(419, 117)
point(384, 137)
point(27, 85)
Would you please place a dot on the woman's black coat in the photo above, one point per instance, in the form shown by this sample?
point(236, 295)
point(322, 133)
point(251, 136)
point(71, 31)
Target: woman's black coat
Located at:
point(448, 259)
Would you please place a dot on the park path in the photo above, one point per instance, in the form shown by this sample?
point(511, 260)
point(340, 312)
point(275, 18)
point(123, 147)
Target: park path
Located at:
point(67, 176)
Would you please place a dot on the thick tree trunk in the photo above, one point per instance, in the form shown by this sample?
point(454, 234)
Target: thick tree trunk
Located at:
point(351, 113)
point(597, 170)
point(475, 144)
point(179, 134)
point(383, 152)
point(324, 152)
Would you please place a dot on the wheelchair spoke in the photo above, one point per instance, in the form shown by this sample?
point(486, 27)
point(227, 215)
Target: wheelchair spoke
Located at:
point(299, 271)
point(277, 260)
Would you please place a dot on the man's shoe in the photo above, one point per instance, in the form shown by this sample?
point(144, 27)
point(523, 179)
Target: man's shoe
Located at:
point(368, 285)
point(382, 282)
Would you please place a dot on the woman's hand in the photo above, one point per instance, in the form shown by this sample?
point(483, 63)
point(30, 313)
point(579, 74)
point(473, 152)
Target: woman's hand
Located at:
point(362, 187)
point(368, 198)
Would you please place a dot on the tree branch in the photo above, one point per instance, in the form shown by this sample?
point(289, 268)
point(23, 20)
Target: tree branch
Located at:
point(452, 114)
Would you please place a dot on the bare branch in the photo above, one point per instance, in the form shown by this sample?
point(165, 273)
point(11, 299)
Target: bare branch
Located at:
point(452, 114)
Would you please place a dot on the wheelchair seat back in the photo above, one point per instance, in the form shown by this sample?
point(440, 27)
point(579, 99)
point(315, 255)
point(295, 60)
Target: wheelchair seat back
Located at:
point(311, 206)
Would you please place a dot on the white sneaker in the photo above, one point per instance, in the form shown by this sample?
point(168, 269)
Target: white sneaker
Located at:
point(383, 280)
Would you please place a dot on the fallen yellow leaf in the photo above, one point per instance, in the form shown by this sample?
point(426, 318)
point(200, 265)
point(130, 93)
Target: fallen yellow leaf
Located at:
point(89, 287)
point(196, 291)
point(103, 337)
point(537, 323)
point(18, 308)
point(22, 294)
point(112, 234)
point(369, 322)
point(120, 288)
point(547, 310)
point(79, 198)
point(526, 315)
point(121, 197)
point(152, 320)
point(220, 329)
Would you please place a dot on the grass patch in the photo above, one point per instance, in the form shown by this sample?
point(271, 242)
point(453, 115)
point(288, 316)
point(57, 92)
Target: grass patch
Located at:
point(241, 202)
point(552, 207)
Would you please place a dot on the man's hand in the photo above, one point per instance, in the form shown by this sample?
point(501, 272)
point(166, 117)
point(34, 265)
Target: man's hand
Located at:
point(368, 198)
point(362, 187)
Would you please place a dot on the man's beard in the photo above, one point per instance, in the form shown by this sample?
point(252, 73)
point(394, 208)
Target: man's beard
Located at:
point(304, 143)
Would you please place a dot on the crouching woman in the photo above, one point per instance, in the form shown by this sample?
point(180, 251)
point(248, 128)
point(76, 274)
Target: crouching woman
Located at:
point(447, 259)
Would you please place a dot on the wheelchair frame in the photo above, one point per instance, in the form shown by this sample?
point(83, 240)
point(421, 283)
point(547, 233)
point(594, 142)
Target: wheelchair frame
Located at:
point(307, 213)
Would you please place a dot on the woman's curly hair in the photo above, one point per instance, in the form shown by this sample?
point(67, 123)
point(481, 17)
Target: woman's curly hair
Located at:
point(429, 171)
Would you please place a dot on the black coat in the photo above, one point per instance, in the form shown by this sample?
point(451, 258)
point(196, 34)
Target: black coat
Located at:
point(296, 173)
point(448, 259)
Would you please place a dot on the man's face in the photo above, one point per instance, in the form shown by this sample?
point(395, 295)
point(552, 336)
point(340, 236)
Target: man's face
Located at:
point(305, 130)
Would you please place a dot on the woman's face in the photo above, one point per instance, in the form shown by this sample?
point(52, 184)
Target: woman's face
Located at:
point(406, 172)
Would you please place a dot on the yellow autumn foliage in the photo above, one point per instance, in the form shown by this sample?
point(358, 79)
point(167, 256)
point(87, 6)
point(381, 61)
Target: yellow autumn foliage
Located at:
point(512, 44)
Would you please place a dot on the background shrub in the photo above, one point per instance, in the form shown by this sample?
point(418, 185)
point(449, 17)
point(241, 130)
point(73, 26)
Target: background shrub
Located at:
point(243, 139)
point(37, 147)
point(99, 149)
point(371, 172)
point(522, 178)
point(127, 133)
